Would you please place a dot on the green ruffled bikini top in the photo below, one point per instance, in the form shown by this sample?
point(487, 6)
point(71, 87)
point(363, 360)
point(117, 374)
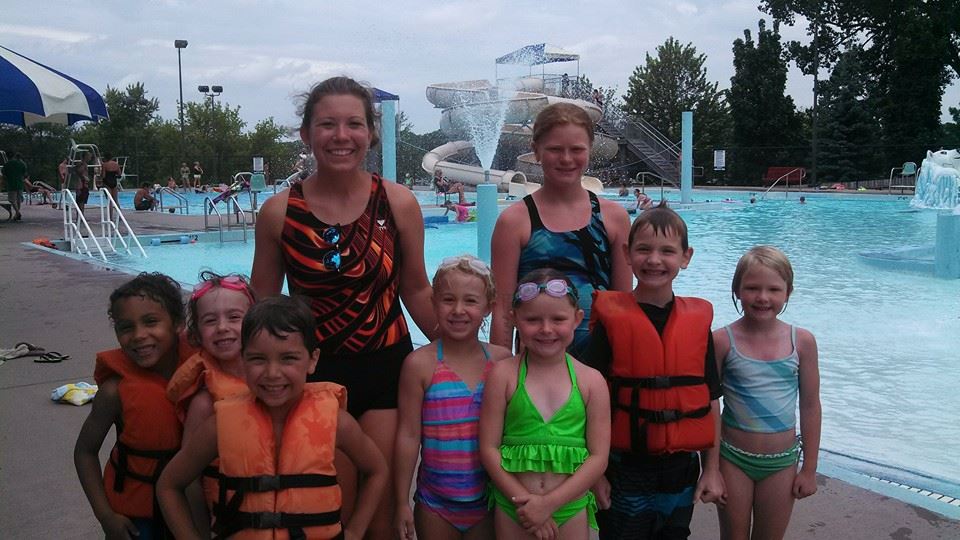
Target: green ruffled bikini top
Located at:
point(531, 444)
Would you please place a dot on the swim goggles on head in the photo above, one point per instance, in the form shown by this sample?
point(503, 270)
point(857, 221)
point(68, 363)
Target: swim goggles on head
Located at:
point(476, 264)
point(234, 283)
point(556, 288)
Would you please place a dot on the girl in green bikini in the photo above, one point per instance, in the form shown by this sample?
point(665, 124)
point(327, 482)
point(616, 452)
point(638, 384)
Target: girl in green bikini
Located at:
point(542, 470)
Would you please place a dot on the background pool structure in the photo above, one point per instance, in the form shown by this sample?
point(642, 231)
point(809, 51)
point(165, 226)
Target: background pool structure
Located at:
point(888, 341)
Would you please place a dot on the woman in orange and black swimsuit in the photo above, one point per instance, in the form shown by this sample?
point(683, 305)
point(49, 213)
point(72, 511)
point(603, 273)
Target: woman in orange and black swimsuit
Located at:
point(352, 243)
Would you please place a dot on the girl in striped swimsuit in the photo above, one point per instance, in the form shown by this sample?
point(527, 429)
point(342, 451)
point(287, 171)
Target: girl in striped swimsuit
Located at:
point(439, 408)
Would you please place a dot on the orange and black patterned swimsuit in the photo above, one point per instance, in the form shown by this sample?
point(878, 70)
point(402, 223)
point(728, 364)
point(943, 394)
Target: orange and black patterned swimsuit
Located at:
point(357, 307)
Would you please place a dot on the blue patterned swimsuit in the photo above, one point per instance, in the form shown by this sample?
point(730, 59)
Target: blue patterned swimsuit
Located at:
point(583, 255)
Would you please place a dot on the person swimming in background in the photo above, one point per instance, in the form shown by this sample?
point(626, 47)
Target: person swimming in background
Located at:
point(463, 211)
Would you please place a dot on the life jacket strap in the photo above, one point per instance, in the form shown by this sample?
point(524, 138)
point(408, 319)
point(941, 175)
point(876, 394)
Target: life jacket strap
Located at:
point(659, 382)
point(263, 483)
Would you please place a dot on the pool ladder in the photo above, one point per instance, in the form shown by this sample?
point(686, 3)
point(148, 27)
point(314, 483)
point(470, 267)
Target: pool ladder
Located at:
point(181, 205)
point(111, 220)
point(232, 204)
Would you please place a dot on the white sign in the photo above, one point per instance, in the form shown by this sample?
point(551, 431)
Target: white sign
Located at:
point(719, 160)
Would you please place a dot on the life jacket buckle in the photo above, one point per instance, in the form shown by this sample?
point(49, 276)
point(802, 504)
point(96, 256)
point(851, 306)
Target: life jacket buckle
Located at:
point(665, 416)
point(661, 381)
point(267, 520)
point(267, 483)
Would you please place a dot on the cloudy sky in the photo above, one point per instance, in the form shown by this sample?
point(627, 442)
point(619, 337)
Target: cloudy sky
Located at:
point(264, 52)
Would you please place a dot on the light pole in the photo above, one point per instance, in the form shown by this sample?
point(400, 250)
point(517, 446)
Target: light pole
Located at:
point(180, 44)
point(211, 92)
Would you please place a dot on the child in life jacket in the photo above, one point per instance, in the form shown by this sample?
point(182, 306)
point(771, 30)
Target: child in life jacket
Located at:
point(545, 420)
point(276, 445)
point(765, 364)
point(215, 316)
point(441, 386)
point(147, 315)
point(656, 351)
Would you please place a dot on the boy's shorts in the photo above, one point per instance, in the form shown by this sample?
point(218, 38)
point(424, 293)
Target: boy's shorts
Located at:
point(651, 496)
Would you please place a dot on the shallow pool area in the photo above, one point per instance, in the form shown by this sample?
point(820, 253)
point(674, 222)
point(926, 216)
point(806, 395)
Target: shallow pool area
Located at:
point(888, 341)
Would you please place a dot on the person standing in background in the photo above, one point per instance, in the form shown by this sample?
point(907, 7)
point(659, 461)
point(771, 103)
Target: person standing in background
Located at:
point(14, 171)
point(197, 171)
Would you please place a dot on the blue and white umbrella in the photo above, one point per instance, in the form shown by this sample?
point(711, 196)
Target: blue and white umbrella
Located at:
point(32, 93)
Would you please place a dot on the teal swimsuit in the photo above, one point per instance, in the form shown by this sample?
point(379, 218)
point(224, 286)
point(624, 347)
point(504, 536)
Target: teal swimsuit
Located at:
point(531, 444)
point(583, 255)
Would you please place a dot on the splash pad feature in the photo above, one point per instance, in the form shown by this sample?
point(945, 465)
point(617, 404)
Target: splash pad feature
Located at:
point(938, 189)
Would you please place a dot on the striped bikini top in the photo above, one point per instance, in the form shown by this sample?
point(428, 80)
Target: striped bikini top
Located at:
point(582, 255)
point(450, 450)
point(357, 306)
point(760, 395)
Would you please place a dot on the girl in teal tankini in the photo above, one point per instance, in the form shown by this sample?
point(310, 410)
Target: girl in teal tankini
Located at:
point(545, 420)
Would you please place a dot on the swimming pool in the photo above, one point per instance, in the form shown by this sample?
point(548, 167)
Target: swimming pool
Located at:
point(195, 200)
point(888, 341)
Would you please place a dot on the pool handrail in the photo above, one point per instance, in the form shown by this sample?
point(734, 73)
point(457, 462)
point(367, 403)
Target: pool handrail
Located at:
point(641, 177)
point(71, 229)
point(110, 219)
point(786, 178)
point(182, 204)
point(209, 204)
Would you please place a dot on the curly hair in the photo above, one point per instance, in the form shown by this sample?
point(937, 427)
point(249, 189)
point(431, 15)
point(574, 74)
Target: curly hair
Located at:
point(158, 287)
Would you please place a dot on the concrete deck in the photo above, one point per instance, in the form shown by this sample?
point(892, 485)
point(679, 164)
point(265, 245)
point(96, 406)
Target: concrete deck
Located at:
point(60, 304)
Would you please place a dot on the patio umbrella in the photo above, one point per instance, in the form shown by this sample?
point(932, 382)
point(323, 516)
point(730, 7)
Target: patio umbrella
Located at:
point(32, 93)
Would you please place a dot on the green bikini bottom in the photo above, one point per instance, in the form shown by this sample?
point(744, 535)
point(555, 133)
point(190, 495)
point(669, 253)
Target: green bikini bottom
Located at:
point(759, 466)
point(561, 516)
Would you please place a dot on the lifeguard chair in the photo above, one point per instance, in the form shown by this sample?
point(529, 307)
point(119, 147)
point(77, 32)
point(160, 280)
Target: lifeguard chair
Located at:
point(905, 177)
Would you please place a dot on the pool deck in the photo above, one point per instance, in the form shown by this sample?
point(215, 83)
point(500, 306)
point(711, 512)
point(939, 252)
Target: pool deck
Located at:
point(60, 304)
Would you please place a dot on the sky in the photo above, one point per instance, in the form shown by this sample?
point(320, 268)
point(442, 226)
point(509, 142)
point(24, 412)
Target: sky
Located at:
point(266, 52)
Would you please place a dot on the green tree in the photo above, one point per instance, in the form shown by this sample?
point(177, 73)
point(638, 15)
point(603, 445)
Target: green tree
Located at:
point(214, 137)
point(849, 130)
point(951, 130)
point(910, 47)
point(411, 148)
point(766, 127)
point(670, 83)
point(673, 82)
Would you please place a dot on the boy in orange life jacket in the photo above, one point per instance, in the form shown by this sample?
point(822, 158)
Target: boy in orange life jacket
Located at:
point(277, 445)
point(656, 351)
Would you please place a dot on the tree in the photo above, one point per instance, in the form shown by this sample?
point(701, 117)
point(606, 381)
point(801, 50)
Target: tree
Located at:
point(673, 82)
point(849, 128)
point(766, 127)
point(411, 148)
point(214, 138)
point(951, 130)
point(909, 45)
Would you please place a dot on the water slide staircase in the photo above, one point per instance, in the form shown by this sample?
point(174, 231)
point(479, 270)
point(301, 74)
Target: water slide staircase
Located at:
point(651, 146)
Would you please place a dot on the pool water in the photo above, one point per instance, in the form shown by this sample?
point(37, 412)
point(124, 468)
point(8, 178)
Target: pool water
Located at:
point(888, 341)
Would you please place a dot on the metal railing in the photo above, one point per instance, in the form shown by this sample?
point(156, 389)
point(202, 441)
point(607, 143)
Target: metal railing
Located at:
point(786, 182)
point(182, 204)
point(232, 204)
point(111, 218)
point(641, 178)
point(71, 228)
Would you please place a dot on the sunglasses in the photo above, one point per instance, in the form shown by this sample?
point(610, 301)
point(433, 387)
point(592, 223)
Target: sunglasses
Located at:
point(556, 288)
point(234, 283)
point(331, 259)
point(476, 264)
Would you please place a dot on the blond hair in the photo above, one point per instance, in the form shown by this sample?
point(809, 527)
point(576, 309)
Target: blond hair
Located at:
point(767, 256)
point(466, 264)
point(560, 114)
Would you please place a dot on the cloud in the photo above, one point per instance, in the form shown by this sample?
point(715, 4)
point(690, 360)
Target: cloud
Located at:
point(48, 33)
point(686, 8)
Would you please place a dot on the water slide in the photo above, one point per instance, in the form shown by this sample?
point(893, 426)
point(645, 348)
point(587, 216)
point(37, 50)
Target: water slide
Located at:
point(465, 102)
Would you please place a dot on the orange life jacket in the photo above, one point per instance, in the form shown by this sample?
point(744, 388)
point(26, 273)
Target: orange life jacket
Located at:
point(660, 399)
point(203, 372)
point(148, 434)
point(293, 495)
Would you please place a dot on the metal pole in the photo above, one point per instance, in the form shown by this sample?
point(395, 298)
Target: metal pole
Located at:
point(686, 153)
point(180, 76)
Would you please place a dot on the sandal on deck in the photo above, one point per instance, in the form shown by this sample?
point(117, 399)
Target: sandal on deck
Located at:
point(32, 350)
point(51, 357)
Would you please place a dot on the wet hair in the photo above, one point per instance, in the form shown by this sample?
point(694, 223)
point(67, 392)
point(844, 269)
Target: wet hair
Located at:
point(279, 316)
point(155, 286)
point(767, 256)
point(463, 266)
point(664, 220)
point(543, 275)
point(561, 114)
point(193, 329)
point(339, 86)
